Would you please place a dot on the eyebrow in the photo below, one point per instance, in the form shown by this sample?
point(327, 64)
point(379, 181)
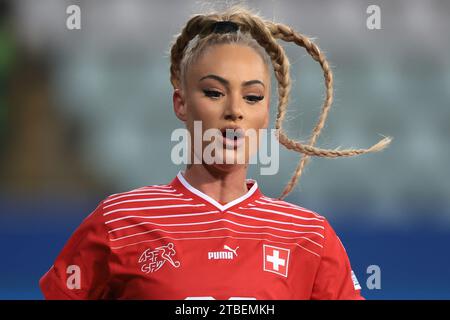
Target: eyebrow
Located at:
point(227, 83)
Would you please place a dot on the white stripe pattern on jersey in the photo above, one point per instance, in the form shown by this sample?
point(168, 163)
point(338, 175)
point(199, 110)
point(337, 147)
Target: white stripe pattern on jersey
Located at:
point(163, 216)
point(292, 208)
point(282, 214)
point(147, 199)
point(215, 229)
point(207, 238)
point(260, 219)
point(153, 208)
point(290, 205)
point(276, 221)
point(215, 221)
point(142, 193)
point(158, 188)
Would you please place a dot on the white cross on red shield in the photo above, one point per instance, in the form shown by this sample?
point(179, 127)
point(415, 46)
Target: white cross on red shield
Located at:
point(276, 259)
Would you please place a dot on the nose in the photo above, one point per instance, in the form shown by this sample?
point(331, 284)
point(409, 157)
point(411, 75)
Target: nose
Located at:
point(233, 110)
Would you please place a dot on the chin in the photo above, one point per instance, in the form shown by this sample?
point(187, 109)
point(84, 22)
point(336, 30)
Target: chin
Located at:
point(227, 168)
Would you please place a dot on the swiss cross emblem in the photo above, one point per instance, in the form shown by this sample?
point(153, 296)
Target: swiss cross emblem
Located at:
point(276, 259)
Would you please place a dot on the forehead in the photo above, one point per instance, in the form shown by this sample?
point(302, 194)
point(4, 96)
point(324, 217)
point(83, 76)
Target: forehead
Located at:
point(230, 60)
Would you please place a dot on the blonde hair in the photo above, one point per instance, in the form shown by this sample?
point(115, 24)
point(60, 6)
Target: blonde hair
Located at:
point(262, 35)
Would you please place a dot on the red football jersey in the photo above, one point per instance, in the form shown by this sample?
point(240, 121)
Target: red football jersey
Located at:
point(175, 242)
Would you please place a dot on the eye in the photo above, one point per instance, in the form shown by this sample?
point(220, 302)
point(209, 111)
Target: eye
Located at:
point(254, 99)
point(212, 93)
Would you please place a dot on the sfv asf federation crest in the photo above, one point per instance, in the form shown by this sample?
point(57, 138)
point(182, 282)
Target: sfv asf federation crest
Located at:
point(153, 259)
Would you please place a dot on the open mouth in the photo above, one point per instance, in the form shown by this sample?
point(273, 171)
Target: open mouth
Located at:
point(232, 137)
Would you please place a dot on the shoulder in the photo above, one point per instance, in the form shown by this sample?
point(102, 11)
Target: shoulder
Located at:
point(155, 189)
point(307, 220)
point(298, 213)
point(289, 208)
point(141, 197)
point(298, 217)
point(309, 227)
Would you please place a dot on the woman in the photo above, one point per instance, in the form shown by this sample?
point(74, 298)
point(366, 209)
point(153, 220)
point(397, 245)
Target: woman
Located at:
point(210, 233)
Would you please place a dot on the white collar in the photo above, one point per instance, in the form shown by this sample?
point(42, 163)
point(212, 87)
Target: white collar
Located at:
point(207, 198)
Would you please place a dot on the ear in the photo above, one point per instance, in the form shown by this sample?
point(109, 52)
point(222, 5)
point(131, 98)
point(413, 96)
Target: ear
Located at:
point(179, 104)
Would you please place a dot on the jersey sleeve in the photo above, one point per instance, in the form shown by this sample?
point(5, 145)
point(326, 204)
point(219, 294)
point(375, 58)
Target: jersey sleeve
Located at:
point(335, 279)
point(81, 269)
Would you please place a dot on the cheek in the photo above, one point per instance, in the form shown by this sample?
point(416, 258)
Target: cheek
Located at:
point(203, 110)
point(194, 108)
point(261, 118)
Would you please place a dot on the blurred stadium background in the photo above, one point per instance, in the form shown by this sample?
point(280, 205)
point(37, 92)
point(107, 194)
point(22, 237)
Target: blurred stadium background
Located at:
point(86, 113)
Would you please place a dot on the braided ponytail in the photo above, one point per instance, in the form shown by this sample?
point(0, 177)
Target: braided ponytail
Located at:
point(266, 34)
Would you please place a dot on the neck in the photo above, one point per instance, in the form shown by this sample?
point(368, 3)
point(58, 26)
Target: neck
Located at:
point(222, 187)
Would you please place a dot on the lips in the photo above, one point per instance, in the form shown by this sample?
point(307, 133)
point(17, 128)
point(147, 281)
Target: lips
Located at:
point(233, 132)
point(232, 137)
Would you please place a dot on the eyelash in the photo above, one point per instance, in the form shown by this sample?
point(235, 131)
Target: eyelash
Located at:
point(214, 94)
